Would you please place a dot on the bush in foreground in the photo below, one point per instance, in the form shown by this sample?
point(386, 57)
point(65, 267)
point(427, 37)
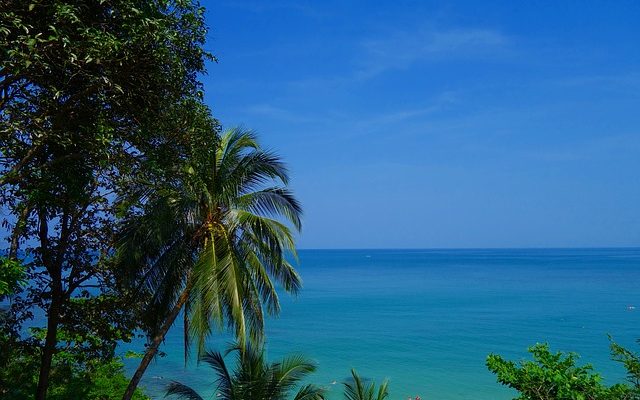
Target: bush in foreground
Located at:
point(555, 376)
point(94, 379)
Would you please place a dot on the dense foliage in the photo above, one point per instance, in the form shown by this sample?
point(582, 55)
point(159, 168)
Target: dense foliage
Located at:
point(73, 376)
point(631, 362)
point(94, 95)
point(555, 376)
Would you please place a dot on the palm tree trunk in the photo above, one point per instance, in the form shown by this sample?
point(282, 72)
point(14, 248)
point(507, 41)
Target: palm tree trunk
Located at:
point(152, 350)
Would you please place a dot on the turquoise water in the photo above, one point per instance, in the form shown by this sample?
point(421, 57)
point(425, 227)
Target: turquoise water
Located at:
point(427, 319)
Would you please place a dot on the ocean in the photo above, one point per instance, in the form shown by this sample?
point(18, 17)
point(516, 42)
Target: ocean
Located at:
point(427, 319)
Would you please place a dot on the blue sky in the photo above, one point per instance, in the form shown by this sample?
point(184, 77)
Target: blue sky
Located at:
point(442, 124)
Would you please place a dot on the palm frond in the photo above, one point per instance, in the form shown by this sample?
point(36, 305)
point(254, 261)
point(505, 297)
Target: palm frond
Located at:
point(359, 390)
point(255, 378)
point(263, 284)
point(292, 369)
point(247, 171)
point(233, 141)
point(182, 391)
point(223, 378)
point(207, 298)
point(354, 390)
point(277, 266)
point(383, 390)
point(231, 285)
point(310, 392)
point(272, 233)
point(273, 201)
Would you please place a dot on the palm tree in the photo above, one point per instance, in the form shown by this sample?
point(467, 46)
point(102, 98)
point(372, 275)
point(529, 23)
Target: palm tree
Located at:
point(358, 390)
point(212, 243)
point(254, 378)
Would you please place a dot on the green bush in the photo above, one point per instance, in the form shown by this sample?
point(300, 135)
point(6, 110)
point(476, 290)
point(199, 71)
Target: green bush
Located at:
point(96, 379)
point(554, 376)
point(12, 276)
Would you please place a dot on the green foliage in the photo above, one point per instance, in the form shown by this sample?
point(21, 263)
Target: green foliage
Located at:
point(18, 366)
point(12, 276)
point(631, 362)
point(553, 376)
point(70, 378)
point(221, 232)
point(254, 378)
point(214, 240)
point(108, 382)
point(97, 100)
point(359, 390)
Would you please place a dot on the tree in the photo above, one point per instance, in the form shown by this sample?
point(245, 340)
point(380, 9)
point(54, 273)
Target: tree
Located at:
point(359, 390)
point(254, 378)
point(631, 362)
point(93, 95)
point(553, 376)
point(212, 242)
point(69, 379)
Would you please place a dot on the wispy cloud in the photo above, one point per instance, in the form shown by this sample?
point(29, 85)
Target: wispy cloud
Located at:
point(359, 122)
point(278, 113)
point(609, 146)
point(399, 50)
point(385, 119)
point(628, 80)
point(402, 49)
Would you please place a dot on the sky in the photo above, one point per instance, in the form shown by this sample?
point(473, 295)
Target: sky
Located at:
point(441, 124)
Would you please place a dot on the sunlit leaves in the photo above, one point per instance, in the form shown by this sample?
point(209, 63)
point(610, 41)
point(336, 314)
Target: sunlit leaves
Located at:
point(554, 376)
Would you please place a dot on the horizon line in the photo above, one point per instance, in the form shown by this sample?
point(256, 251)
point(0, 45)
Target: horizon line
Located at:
point(467, 248)
point(477, 248)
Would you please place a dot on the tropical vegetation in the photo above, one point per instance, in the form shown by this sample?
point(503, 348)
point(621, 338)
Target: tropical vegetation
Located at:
point(359, 390)
point(214, 243)
point(555, 376)
point(126, 206)
point(94, 95)
point(254, 377)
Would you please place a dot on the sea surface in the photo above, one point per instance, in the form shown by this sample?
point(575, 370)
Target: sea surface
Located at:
point(427, 319)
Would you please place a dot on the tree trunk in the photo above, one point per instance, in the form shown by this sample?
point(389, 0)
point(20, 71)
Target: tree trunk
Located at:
point(49, 343)
point(55, 308)
point(155, 344)
point(18, 230)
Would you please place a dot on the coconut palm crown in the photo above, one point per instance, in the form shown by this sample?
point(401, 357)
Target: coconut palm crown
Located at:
point(213, 243)
point(254, 378)
point(359, 390)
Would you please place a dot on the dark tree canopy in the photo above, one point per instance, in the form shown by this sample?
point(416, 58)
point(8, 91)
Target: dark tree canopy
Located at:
point(98, 100)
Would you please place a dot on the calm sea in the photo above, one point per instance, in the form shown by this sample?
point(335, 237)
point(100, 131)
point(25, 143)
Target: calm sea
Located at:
point(427, 319)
